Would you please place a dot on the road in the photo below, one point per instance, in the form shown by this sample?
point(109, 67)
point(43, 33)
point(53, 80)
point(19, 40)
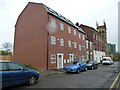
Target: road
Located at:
point(103, 77)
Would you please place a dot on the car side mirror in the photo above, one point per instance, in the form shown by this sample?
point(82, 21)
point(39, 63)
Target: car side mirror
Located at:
point(25, 69)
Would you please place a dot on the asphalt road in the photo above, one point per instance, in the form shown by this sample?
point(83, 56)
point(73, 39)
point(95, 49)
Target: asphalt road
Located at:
point(103, 77)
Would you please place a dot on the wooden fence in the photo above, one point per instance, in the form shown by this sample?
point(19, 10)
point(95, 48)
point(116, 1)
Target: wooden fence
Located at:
point(6, 57)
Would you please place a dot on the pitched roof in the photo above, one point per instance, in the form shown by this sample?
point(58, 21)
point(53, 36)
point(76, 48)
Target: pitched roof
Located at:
point(54, 13)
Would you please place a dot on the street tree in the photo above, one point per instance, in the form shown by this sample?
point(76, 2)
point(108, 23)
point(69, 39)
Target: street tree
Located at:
point(7, 48)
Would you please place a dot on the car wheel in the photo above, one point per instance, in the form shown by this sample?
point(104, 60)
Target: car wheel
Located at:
point(32, 80)
point(78, 71)
point(96, 67)
point(92, 67)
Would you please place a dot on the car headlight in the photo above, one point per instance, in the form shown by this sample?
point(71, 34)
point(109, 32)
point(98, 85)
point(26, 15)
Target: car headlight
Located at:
point(37, 72)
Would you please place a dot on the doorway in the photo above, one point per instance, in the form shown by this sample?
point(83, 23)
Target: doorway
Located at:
point(60, 60)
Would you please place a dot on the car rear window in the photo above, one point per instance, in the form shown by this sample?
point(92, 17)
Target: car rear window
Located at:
point(3, 66)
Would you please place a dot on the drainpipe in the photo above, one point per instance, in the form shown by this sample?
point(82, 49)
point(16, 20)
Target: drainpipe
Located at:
point(47, 44)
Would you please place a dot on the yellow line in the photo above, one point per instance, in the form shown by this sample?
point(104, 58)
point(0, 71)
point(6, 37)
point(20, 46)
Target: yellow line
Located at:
point(114, 81)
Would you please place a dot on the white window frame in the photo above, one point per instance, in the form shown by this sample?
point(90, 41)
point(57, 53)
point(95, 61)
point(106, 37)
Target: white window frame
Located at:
point(53, 40)
point(75, 45)
point(79, 47)
point(65, 61)
point(87, 44)
point(90, 45)
point(69, 29)
point(75, 32)
point(68, 61)
point(61, 26)
point(53, 61)
point(79, 35)
point(83, 37)
point(96, 37)
point(61, 42)
point(69, 43)
point(53, 22)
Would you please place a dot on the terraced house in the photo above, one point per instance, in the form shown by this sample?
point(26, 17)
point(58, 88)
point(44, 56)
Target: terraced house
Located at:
point(46, 39)
point(98, 39)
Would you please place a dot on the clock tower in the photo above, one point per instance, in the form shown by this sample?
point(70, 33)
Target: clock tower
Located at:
point(103, 31)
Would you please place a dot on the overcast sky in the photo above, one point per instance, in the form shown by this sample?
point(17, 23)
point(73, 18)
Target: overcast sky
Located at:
point(85, 12)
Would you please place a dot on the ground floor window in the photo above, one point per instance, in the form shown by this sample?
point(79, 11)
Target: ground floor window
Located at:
point(64, 60)
point(68, 61)
point(53, 58)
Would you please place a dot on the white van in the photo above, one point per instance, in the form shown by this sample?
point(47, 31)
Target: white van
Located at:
point(107, 60)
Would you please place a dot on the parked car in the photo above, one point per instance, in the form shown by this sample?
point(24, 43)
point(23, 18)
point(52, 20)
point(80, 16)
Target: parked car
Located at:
point(13, 73)
point(76, 66)
point(107, 60)
point(92, 64)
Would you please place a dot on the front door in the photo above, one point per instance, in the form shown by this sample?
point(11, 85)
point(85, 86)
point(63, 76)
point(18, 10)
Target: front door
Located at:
point(59, 61)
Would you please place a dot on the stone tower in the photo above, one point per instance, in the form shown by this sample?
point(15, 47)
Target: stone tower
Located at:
point(103, 31)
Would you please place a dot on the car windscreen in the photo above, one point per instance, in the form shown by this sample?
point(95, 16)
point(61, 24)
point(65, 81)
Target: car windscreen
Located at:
point(106, 60)
point(74, 62)
point(90, 62)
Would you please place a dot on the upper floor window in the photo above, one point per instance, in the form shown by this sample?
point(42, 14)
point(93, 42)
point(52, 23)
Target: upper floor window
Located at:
point(86, 44)
point(75, 45)
point(83, 48)
point(99, 38)
point(53, 40)
point(75, 32)
point(69, 43)
point(53, 22)
point(93, 35)
point(69, 30)
point(61, 26)
point(90, 45)
point(83, 37)
point(79, 35)
point(79, 47)
point(61, 42)
point(96, 37)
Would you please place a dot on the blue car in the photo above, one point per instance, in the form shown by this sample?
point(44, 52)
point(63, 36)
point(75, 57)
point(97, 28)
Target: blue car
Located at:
point(76, 66)
point(13, 73)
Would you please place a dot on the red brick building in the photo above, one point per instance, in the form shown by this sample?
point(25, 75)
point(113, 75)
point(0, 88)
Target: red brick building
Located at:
point(46, 39)
point(97, 40)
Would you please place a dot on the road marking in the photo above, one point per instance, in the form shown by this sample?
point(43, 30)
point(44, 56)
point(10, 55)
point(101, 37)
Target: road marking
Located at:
point(117, 86)
point(114, 81)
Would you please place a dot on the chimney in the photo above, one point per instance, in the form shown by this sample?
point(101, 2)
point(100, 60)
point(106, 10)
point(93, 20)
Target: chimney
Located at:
point(77, 24)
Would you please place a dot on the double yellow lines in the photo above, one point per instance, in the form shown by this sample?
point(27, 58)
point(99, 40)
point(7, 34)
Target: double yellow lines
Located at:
point(117, 78)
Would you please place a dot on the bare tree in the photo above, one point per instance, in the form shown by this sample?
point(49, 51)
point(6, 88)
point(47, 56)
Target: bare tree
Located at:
point(7, 46)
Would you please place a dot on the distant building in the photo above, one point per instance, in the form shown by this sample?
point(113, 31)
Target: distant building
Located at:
point(103, 31)
point(111, 48)
point(97, 41)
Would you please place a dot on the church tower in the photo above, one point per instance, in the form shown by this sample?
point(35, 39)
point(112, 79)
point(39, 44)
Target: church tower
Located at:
point(103, 31)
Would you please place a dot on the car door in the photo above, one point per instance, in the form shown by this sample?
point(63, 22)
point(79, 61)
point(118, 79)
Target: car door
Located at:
point(17, 74)
point(4, 75)
point(84, 65)
point(81, 65)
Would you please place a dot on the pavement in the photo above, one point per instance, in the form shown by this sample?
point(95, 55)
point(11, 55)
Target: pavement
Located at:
point(54, 71)
point(51, 72)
